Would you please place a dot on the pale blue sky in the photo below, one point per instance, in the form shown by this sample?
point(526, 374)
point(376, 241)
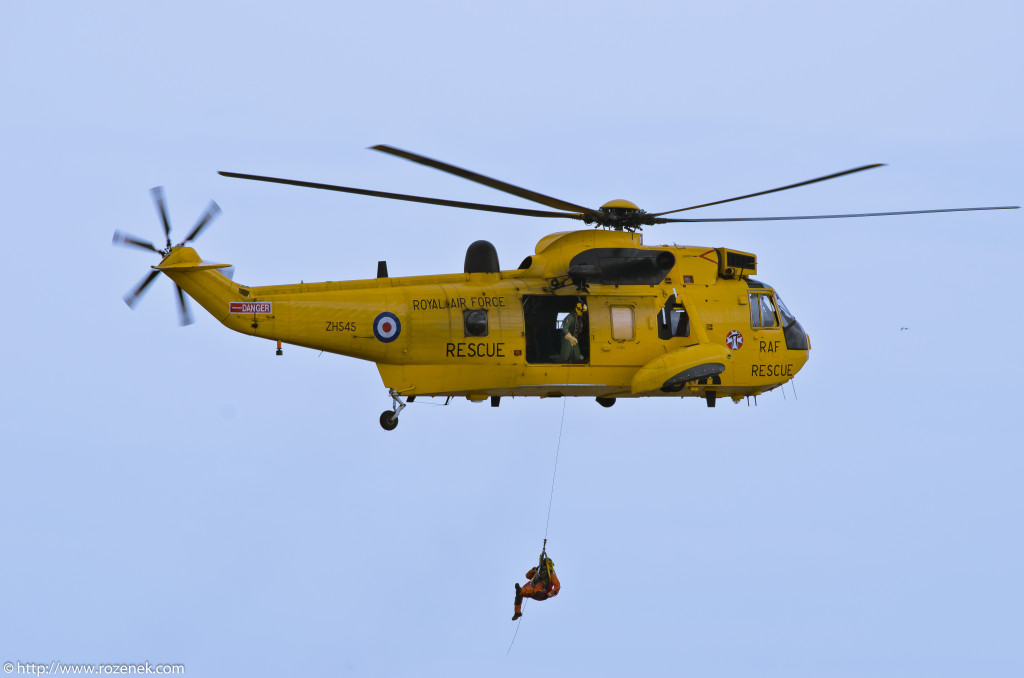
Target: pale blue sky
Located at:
point(184, 496)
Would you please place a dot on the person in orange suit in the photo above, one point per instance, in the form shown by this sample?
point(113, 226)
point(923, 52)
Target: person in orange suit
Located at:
point(543, 584)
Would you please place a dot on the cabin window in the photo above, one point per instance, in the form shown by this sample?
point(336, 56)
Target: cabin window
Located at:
point(673, 320)
point(762, 311)
point(475, 322)
point(622, 323)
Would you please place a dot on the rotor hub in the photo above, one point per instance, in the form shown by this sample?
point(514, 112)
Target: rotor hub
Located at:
point(621, 215)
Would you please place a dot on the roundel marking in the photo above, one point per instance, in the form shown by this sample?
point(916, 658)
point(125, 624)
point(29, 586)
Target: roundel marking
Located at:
point(734, 339)
point(386, 327)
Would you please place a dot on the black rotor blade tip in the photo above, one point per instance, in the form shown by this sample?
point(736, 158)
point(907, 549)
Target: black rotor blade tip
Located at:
point(184, 317)
point(211, 213)
point(133, 297)
point(161, 207)
point(127, 240)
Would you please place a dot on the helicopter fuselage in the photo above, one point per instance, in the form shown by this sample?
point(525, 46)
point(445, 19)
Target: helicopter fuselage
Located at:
point(591, 313)
point(660, 321)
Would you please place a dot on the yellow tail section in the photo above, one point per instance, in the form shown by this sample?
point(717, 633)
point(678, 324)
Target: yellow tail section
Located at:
point(210, 288)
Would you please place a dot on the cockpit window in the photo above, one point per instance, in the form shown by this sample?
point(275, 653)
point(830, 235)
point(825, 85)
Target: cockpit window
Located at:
point(796, 338)
point(762, 311)
point(787, 317)
point(762, 314)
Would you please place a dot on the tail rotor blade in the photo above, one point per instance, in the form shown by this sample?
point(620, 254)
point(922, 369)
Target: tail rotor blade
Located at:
point(133, 297)
point(211, 213)
point(161, 207)
point(128, 240)
point(184, 317)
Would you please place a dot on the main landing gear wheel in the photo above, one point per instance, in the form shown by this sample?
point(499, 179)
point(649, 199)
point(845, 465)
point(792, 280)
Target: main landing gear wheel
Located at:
point(605, 402)
point(388, 420)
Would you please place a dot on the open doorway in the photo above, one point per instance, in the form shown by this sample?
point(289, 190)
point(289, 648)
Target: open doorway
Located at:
point(543, 315)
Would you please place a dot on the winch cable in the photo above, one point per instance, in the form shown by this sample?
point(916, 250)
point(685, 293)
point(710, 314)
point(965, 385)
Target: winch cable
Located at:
point(554, 474)
point(558, 445)
point(551, 500)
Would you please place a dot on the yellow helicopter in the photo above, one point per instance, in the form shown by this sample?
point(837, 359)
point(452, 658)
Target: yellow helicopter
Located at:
point(590, 313)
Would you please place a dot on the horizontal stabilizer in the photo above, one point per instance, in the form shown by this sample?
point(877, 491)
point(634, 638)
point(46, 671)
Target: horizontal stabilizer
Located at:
point(185, 267)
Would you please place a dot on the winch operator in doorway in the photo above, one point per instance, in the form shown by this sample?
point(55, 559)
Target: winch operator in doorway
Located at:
point(572, 326)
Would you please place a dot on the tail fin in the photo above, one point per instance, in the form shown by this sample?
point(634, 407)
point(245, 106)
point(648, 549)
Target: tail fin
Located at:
point(202, 281)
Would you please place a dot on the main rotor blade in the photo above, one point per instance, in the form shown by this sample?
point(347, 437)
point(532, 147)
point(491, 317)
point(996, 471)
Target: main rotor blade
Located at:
point(184, 317)
point(133, 297)
point(126, 240)
point(835, 216)
point(211, 213)
point(532, 196)
point(161, 207)
point(410, 198)
point(774, 190)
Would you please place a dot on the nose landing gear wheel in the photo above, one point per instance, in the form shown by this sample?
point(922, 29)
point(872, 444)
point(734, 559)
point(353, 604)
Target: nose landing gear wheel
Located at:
point(388, 420)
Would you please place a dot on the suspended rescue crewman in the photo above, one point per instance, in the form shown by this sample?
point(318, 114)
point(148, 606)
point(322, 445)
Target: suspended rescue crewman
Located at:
point(572, 327)
point(543, 584)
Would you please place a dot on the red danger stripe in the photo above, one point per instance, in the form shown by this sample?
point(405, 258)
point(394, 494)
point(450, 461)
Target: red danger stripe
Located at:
point(249, 307)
